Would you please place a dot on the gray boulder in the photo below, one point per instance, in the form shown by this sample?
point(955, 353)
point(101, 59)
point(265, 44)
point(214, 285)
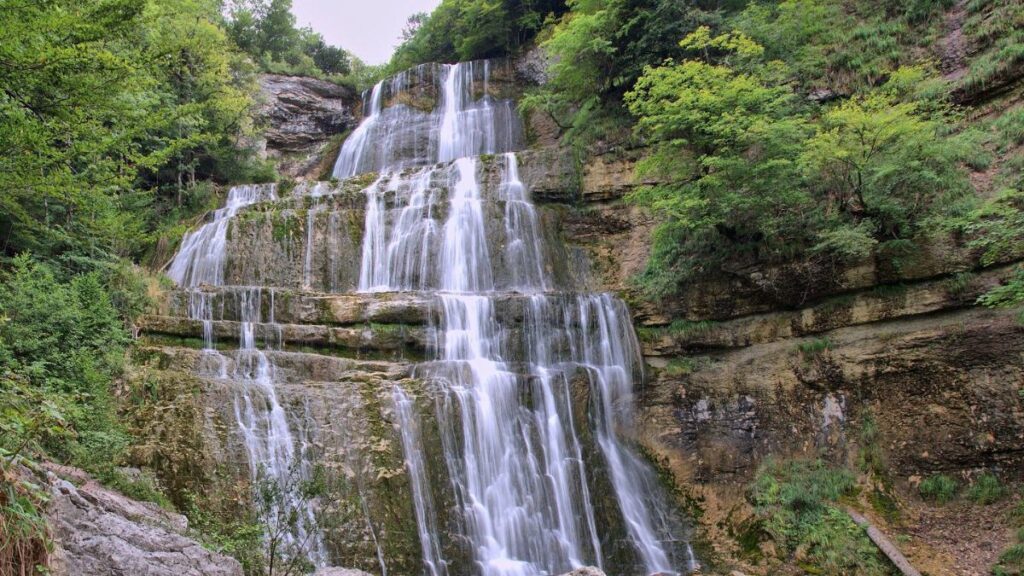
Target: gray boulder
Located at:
point(99, 532)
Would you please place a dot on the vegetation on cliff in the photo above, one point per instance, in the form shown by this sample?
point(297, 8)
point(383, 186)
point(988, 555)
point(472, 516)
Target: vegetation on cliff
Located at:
point(796, 131)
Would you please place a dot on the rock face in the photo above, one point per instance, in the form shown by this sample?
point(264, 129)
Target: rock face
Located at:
point(98, 532)
point(304, 116)
point(889, 359)
point(586, 571)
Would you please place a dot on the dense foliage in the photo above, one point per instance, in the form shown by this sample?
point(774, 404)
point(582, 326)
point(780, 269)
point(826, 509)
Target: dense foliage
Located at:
point(797, 504)
point(112, 112)
point(472, 29)
point(116, 116)
point(61, 346)
point(744, 169)
point(799, 131)
point(775, 132)
point(265, 29)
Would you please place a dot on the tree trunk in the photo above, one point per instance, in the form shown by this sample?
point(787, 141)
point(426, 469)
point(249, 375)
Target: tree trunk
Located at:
point(884, 544)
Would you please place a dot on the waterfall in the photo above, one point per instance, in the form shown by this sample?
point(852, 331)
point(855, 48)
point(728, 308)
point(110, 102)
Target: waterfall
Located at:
point(423, 501)
point(397, 136)
point(261, 419)
point(512, 451)
point(528, 382)
point(200, 260)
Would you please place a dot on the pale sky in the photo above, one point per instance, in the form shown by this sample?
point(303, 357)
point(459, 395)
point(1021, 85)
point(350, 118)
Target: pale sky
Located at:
point(368, 28)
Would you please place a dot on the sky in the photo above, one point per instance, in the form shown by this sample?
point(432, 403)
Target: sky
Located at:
point(368, 28)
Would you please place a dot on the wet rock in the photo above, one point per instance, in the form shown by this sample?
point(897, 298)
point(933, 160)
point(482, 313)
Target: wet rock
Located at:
point(340, 572)
point(98, 532)
point(585, 571)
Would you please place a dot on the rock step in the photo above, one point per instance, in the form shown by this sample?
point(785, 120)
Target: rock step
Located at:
point(299, 367)
point(339, 309)
point(369, 337)
point(883, 304)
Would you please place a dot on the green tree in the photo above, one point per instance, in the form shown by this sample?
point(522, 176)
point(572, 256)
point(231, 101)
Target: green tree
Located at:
point(61, 344)
point(725, 147)
point(471, 29)
point(881, 166)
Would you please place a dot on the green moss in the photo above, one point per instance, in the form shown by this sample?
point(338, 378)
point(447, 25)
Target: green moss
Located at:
point(331, 151)
point(885, 505)
point(814, 348)
point(749, 537)
point(286, 225)
point(677, 329)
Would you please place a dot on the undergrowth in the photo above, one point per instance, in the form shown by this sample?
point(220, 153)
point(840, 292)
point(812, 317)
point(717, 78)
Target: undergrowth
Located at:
point(799, 504)
point(24, 536)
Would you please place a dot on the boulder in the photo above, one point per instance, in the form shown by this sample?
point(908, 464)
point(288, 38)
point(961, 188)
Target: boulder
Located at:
point(99, 532)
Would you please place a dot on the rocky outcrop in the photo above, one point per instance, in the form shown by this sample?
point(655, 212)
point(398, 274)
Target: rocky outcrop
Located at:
point(99, 532)
point(304, 117)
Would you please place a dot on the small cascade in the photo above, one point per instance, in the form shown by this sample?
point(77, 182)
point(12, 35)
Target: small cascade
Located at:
point(423, 501)
point(468, 121)
point(200, 260)
point(273, 454)
point(523, 247)
point(311, 214)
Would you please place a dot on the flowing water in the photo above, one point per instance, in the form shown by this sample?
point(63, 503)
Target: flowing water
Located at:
point(511, 442)
point(274, 455)
point(528, 406)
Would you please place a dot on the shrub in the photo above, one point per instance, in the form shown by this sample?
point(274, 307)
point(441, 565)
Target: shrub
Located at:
point(870, 457)
point(61, 345)
point(1017, 515)
point(23, 530)
point(987, 489)
point(1013, 556)
point(939, 488)
point(795, 501)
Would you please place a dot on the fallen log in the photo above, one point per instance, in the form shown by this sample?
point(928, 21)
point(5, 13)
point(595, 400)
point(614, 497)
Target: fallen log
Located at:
point(884, 544)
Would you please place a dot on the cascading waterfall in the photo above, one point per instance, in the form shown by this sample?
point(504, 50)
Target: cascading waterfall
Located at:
point(522, 231)
point(512, 452)
point(398, 136)
point(200, 260)
point(262, 422)
point(529, 383)
point(423, 501)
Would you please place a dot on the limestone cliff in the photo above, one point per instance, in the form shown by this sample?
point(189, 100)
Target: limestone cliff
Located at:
point(303, 117)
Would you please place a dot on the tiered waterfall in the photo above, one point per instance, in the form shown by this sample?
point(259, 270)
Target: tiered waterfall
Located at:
point(511, 420)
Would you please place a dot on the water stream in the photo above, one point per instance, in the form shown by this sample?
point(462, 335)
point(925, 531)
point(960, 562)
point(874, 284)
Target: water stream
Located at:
point(529, 406)
point(511, 445)
point(274, 455)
